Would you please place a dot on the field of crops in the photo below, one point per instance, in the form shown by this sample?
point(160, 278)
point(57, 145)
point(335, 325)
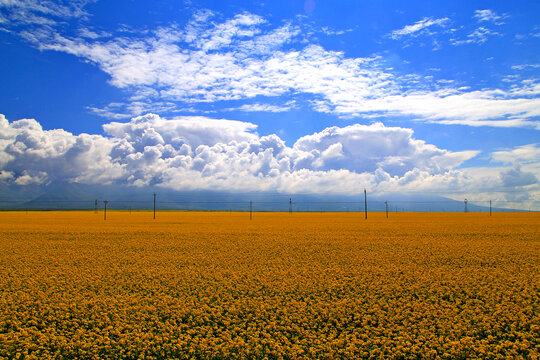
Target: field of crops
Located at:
point(319, 285)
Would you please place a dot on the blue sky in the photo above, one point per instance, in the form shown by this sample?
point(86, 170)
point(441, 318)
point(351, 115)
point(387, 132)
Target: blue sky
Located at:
point(284, 96)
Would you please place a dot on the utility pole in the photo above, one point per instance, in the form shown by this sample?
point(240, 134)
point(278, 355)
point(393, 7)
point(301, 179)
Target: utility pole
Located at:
point(489, 207)
point(290, 206)
point(105, 212)
point(95, 207)
point(365, 202)
point(386, 203)
point(154, 206)
point(250, 210)
point(466, 210)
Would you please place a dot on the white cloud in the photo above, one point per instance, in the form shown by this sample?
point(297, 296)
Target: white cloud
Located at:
point(474, 108)
point(6, 176)
point(239, 59)
point(212, 147)
point(488, 15)
point(87, 33)
point(418, 27)
point(478, 36)
point(195, 153)
point(525, 154)
point(110, 111)
point(38, 177)
point(329, 31)
point(369, 148)
point(425, 27)
point(208, 63)
point(222, 35)
point(193, 131)
point(526, 66)
point(25, 12)
point(34, 155)
point(257, 107)
point(139, 105)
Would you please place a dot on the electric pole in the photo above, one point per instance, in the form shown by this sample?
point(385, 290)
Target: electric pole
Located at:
point(365, 202)
point(386, 203)
point(250, 209)
point(154, 206)
point(105, 212)
point(290, 206)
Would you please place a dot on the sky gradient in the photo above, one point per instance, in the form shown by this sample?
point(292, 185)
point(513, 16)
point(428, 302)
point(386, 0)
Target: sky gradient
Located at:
point(287, 96)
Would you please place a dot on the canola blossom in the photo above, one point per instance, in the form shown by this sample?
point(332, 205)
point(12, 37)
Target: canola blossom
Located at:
point(215, 285)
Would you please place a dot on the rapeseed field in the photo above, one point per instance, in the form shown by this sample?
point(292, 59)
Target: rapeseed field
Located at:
point(212, 285)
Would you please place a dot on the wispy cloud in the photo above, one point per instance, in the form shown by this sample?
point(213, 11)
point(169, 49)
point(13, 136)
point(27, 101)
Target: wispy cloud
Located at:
point(478, 36)
point(488, 15)
point(243, 58)
point(138, 106)
point(257, 107)
point(418, 27)
point(87, 33)
point(329, 31)
point(111, 111)
point(25, 12)
point(526, 66)
point(526, 154)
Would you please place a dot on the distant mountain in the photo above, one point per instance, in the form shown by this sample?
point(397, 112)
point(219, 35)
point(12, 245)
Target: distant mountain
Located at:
point(72, 196)
point(11, 196)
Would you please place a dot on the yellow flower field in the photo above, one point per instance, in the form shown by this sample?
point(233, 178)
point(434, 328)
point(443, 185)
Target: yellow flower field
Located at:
point(318, 285)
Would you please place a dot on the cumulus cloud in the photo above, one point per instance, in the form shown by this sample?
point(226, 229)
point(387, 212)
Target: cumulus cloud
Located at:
point(150, 130)
point(368, 148)
point(196, 153)
point(28, 178)
point(6, 176)
point(32, 155)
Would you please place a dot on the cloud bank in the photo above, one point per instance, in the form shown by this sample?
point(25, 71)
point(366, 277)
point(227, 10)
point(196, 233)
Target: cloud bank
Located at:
point(196, 153)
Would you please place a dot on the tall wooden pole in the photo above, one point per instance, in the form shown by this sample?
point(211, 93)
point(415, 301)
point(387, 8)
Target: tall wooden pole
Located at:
point(290, 206)
point(105, 211)
point(365, 202)
point(154, 206)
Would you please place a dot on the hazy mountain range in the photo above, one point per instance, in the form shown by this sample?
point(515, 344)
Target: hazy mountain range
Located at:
point(72, 196)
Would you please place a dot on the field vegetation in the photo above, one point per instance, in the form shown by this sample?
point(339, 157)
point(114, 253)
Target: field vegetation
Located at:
point(318, 285)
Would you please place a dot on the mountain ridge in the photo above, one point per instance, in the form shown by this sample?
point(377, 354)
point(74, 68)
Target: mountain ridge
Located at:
point(73, 196)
